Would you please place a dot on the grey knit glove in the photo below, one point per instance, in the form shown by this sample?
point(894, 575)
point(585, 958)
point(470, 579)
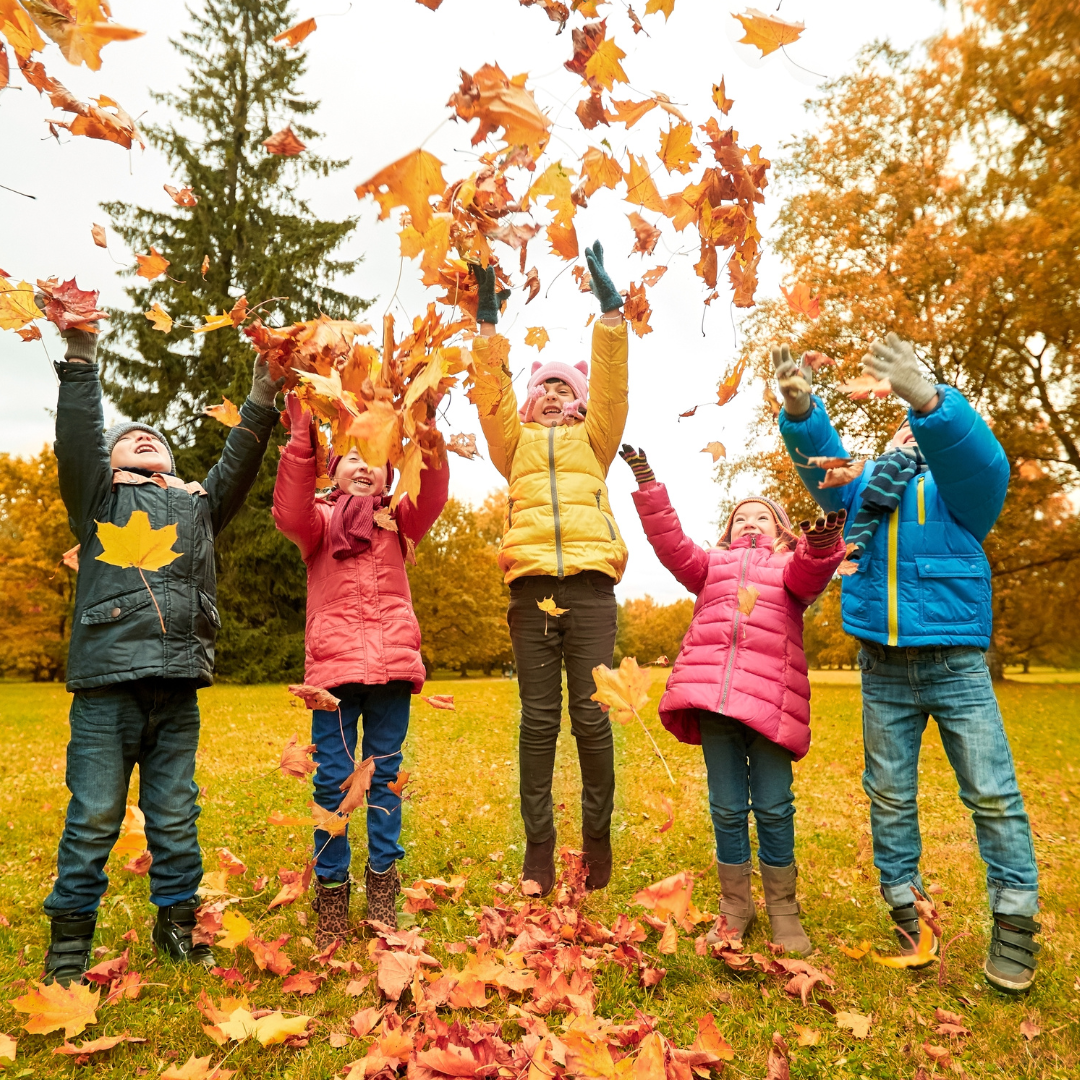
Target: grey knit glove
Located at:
point(80, 345)
point(794, 382)
point(263, 388)
point(896, 361)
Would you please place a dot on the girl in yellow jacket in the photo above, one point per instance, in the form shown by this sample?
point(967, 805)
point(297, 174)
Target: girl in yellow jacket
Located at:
point(562, 544)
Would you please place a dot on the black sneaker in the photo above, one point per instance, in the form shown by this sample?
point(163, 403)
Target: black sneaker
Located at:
point(907, 932)
point(1010, 963)
point(69, 948)
point(172, 934)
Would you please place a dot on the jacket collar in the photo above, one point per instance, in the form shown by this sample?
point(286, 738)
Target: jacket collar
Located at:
point(753, 540)
point(162, 480)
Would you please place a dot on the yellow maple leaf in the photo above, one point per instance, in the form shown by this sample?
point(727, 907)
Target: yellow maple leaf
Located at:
point(641, 188)
point(485, 392)
point(226, 413)
point(20, 32)
point(153, 265)
point(547, 606)
point(666, 6)
point(603, 66)
point(410, 181)
point(716, 449)
point(924, 954)
point(677, 149)
point(80, 29)
point(720, 98)
point(136, 544)
point(53, 1007)
point(600, 170)
point(766, 32)
point(630, 112)
point(624, 691)
point(214, 322)
point(537, 336)
point(161, 319)
point(17, 307)
point(554, 183)
point(235, 930)
point(133, 839)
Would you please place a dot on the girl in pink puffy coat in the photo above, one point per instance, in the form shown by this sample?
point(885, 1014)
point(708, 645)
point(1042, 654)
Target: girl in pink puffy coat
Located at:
point(362, 643)
point(739, 687)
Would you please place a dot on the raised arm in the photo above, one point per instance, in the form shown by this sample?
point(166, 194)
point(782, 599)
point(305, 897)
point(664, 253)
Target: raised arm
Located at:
point(415, 520)
point(294, 509)
point(231, 479)
point(812, 435)
point(81, 456)
point(819, 552)
point(500, 424)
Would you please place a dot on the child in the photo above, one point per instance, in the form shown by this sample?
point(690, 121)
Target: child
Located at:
point(561, 543)
point(739, 685)
point(362, 643)
point(134, 672)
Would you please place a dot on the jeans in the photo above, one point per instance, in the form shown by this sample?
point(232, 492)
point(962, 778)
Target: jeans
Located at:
point(385, 712)
point(747, 771)
point(152, 723)
point(582, 638)
point(901, 689)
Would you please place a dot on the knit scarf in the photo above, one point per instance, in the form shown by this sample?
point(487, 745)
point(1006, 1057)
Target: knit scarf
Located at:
point(352, 522)
point(883, 493)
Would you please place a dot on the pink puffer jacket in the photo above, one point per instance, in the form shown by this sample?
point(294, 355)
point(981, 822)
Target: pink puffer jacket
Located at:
point(749, 667)
point(360, 622)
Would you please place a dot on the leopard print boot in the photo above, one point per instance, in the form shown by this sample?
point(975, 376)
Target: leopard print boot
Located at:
point(331, 905)
point(382, 893)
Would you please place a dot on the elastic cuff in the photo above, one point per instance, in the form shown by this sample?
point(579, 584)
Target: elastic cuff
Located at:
point(260, 396)
point(81, 346)
point(168, 901)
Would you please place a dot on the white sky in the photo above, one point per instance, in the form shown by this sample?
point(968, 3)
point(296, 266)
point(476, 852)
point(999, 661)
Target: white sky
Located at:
point(383, 72)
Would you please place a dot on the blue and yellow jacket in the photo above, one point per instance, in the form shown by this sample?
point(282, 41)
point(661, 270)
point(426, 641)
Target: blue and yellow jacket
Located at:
point(924, 580)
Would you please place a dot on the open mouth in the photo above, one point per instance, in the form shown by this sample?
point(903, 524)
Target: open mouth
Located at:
point(145, 448)
point(553, 410)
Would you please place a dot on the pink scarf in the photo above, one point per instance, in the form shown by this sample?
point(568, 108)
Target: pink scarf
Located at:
point(352, 522)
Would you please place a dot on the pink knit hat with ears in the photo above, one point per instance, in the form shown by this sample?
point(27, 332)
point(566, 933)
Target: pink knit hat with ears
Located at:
point(576, 377)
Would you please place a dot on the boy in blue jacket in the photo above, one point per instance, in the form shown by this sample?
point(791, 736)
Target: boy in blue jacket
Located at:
point(919, 603)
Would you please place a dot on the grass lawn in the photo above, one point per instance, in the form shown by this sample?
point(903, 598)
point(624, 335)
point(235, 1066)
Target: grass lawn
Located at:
point(462, 819)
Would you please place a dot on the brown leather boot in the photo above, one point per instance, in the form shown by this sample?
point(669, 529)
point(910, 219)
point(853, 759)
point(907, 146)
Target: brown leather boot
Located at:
point(597, 851)
point(539, 864)
point(331, 906)
point(382, 894)
point(779, 885)
point(737, 908)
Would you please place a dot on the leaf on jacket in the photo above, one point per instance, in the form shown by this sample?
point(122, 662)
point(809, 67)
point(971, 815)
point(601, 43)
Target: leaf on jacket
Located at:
point(538, 336)
point(547, 606)
point(839, 476)
point(729, 386)
point(226, 413)
point(53, 1007)
point(70, 307)
point(315, 697)
point(284, 143)
point(183, 196)
point(295, 758)
point(161, 319)
point(767, 33)
point(356, 785)
point(716, 449)
point(136, 544)
point(295, 34)
point(864, 386)
point(748, 596)
point(153, 265)
point(439, 701)
point(624, 691)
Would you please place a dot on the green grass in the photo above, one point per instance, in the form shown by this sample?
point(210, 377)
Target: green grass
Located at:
point(462, 818)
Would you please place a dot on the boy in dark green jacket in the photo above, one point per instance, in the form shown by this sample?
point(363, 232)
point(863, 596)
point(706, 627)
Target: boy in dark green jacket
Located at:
point(136, 660)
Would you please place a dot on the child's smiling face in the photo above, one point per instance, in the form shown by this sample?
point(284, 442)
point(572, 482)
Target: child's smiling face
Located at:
point(141, 450)
point(753, 518)
point(355, 477)
point(548, 409)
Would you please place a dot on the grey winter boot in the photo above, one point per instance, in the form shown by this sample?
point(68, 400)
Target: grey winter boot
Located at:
point(736, 902)
point(779, 885)
point(331, 907)
point(1010, 965)
point(382, 894)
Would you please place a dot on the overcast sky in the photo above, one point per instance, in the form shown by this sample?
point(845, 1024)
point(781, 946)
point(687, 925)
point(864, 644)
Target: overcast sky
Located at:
point(383, 72)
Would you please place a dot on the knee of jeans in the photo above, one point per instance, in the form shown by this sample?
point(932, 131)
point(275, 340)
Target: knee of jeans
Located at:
point(994, 806)
point(728, 817)
point(774, 813)
point(895, 797)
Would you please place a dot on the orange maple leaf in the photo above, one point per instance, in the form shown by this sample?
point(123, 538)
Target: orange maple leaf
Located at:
point(181, 196)
point(314, 697)
point(865, 385)
point(637, 310)
point(398, 785)
point(766, 32)
point(226, 413)
point(729, 387)
point(20, 32)
point(439, 701)
point(294, 758)
point(496, 101)
point(538, 336)
point(801, 302)
point(651, 277)
point(670, 897)
point(356, 785)
point(97, 233)
point(720, 98)
point(284, 143)
point(295, 34)
point(646, 235)
point(152, 266)
point(79, 28)
point(599, 170)
point(716, 449)
point(293, 885)
point(667, 7)
point(677, 150)
point(410, 181)
point(54, 1006)
point(70, 307)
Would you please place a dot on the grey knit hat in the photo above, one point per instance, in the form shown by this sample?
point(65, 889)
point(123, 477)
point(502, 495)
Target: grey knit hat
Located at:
point(118, 431)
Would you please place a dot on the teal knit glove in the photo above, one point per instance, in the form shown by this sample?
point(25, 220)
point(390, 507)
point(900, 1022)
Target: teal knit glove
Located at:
point(487, 309)
point(602, 286)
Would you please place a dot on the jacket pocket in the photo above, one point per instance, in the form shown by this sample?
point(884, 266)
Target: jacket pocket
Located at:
point(210, 609)
point(115, 608)
point(607, 520)
point(953, 590)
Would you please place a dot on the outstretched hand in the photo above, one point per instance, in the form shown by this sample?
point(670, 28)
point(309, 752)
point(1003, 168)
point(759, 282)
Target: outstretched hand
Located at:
point(794, 381)
point(264, 389)
point(301, 422)
point(490, 301)
point(637, 461)
point(601, 284)
point(825, 532)
point(895, 360)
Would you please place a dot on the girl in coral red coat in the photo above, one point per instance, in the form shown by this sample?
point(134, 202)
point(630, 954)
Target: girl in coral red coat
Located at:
point(739, 687)
point(362, 643)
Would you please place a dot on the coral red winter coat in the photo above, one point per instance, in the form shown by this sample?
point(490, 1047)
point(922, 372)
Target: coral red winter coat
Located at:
point(360, 622)
point(749, 667)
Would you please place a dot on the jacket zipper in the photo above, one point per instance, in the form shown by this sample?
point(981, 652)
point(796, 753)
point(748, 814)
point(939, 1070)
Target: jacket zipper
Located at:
point(509, 513)
point(921, 499)
point(893, 576)
point(555, 502)
point(735, 625)
point(610, 527)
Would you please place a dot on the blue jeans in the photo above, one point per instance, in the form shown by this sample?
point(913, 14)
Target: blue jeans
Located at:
point(152, 723)
point(385, 712)
point(747, 771)
point(901, 689)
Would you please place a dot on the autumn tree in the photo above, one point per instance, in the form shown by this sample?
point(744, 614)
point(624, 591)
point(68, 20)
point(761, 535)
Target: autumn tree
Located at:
point(937, 197)
point(36, 589)
point(458, 592)
point(824, 641)
point(649, 631)
point(258, 238)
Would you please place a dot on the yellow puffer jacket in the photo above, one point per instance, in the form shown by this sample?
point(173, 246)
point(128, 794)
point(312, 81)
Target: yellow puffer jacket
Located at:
point(559, 519)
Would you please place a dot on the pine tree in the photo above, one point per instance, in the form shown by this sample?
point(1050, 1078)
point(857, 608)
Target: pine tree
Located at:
point(261, 239)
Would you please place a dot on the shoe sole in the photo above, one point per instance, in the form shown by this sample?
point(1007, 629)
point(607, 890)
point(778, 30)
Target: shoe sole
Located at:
point(1005, 985)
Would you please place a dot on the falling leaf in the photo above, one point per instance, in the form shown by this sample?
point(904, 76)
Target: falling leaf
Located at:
point(398, 785)
point(196, 1068)
point(838, 477)
point(668, 897)
point(140, 864)
point(284, 143)
point(623, 691)
point(97, 1046)
point(357, 784)
point(295, 34)
point(133, 835)
point(532, 285)
point(720, 98)
point(205, 265)
point(1030, 470)
point(214, 322)
point(136, 544)
point(801, 302)
point(547, 606)
point(329, 821)
point(856, 1023)
point(637, 310)
point(153, 265)
point(677, 150)
point(81, 29)
point(666, 6)
point(161, 319)
point(538, 336)
point(766, 32)
point(729, 387)
point(665, 802)
point(651, 277)
point(314, 697)
point(295, 759)
point(439, 701)
point(603, 68)
point(29, 333)
point(747, 598)
point(646, 236)
point(463, 445)
point(53, 1007)
point(411, 182)
point(923, 955)
point(818, 360)
point(864, 386)
point(235, 930)
point(1028, 1028)
point(858, 952)
point(97, 232)
point(69, 307)
point(771, 400)
point(226, 413)
point(716, 449)
point(181, 196)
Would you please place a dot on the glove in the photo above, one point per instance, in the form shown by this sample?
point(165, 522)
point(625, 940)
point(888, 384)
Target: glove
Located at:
point(794, 382)
point(823, 534)
point(896, 361)
point(487, 310)
point(301, 424)
point(643, 473)
point(263, 388)
point(602, 286)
